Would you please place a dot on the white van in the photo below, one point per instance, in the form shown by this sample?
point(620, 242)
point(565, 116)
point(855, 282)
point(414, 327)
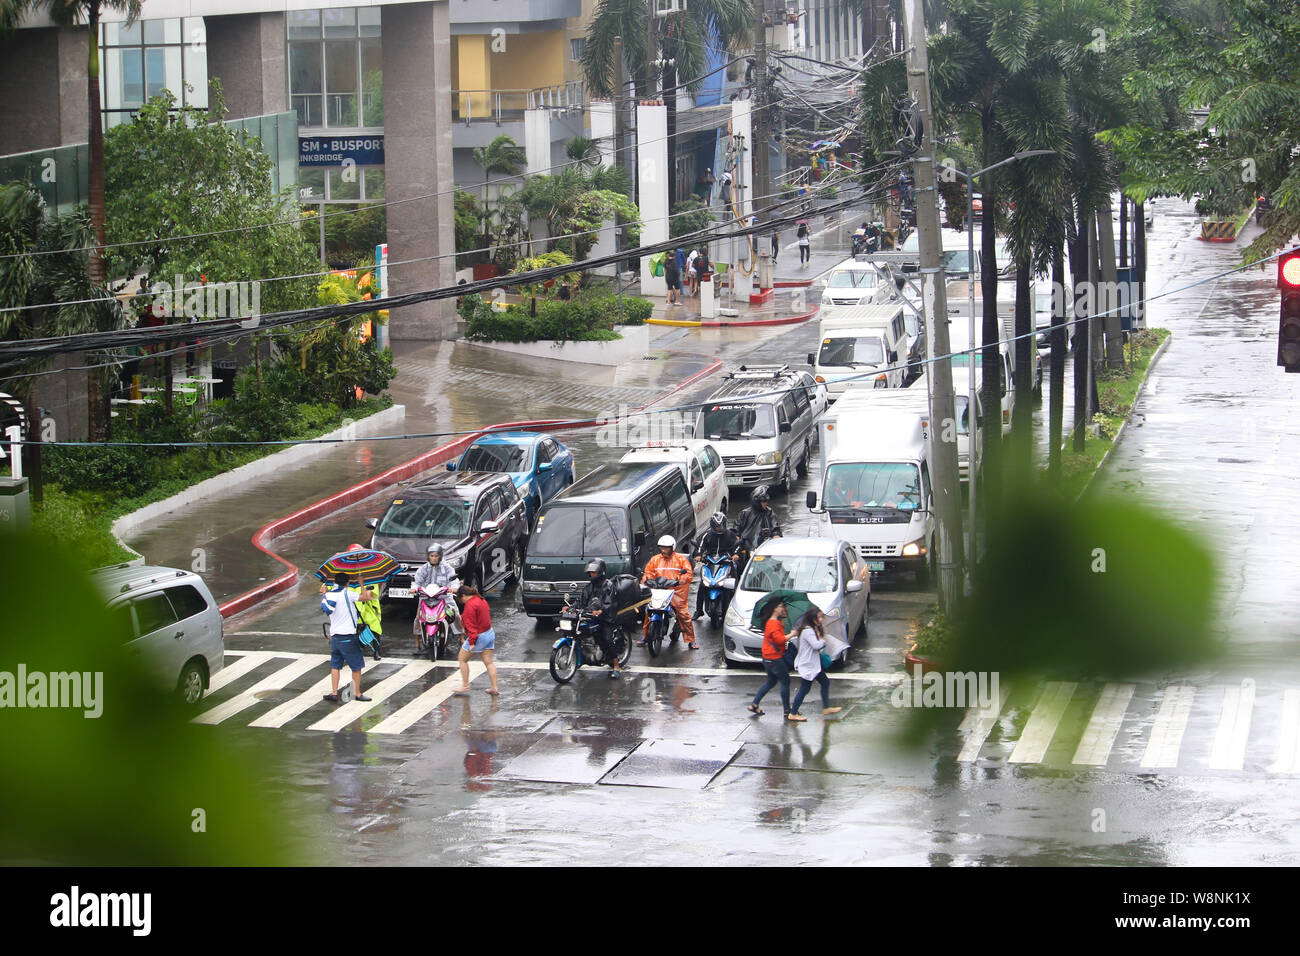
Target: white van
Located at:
point(916, 399)
point(863, 344)
point(958, 294)
point(855, 281)
point(956, 253)
point(875, 485)
point(701, 466)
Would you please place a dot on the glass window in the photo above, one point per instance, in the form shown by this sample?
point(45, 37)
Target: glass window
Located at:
point(304, 24)
point(788, 407)
point(305, 82)
point(800, 400)
point(153, 612)
point(657, 513)
point(576, 47)
point(345, 184)
point(494, 458)
point(111, 31)
point(802, 573)
point(873, 486)
point(489, 506)
point(341, 82)
point(340, 22)
point(851, 351)
point(153, 31)
point(509, 494)
point(372, 83)
point(703, 461)
point(368, 21)
point(194, 32)
point(638, 523)
point(155, 72)
point(714, 459)
point(697, 476)
point(132, 78)
point(547, 450)
point(678, 502)
point(580, 532)
point(426, 518)
point(374, 178)
point(187, 601)
point(311, 183)
point(121, 626)
point(129, 33)
point(730, 420)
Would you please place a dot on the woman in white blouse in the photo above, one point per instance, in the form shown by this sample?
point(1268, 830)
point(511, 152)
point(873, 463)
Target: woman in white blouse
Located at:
point(808, 663)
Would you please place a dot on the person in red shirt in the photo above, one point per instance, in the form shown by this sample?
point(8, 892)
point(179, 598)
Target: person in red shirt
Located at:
point(479, 637)
point(774, 641)
point(669, 564)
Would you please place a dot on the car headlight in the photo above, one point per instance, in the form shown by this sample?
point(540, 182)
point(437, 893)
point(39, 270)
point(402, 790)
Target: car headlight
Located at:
point(457, 562)
point(914, 548)
point(734, 618)
point(768, 458)
point(826, 299)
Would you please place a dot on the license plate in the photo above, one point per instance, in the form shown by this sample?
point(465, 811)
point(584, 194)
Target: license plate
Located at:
point(875, 565)
point(566, 625)
point(399, 592)
point(735, 479)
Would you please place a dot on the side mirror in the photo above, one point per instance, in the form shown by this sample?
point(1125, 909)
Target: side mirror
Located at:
point(812, 359)
point(638, 540)
point(544, 466)
point(487, 527)
point(785, 426)
point(853, 587)
point(451, 466)
point(811, 500)
point(372, 523)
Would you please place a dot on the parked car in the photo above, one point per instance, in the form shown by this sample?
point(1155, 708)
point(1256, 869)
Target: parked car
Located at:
point(701, 466)
point(169, 618)
point(616, 513)
point(539, 465)
point(478, 518)
point(835, 578)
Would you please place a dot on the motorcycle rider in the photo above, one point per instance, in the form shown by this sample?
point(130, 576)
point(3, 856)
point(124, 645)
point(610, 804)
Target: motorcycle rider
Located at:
point(756, 524)
point(601, 589)
point(719, 539)
point(439, 574)
point(664, 564)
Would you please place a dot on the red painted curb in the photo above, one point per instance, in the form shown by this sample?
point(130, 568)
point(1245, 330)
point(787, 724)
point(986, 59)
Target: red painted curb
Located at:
point(791, 320)
point(758, 298)
point(926, 665)
point(792, 284)
point(437, 456)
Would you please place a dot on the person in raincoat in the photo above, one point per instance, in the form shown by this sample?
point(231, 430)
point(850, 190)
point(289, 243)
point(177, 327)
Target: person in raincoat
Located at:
point(669, 564)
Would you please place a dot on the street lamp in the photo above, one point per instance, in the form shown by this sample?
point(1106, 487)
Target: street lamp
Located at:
point(972, 426)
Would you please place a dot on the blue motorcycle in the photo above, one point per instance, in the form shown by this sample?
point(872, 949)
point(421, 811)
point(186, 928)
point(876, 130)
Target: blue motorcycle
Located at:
point(579, 641)
point(718, 578)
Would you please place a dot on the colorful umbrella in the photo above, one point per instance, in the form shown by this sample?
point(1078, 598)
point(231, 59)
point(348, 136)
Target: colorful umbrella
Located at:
point(373, 567)
point(796, 605)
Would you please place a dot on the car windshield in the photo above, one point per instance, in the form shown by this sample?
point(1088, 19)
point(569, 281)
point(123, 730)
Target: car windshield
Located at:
point(736, 420)
point(852, 350)
point(807, 572)
point(853, 279)
point(579, 532)
point(866, 486)
point(494, 458)
point(426, 518)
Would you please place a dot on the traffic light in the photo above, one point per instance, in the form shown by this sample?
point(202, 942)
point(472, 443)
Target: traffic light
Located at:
point(1288, 332)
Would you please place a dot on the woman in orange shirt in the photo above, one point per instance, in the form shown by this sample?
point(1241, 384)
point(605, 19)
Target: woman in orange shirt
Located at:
point(774, 641)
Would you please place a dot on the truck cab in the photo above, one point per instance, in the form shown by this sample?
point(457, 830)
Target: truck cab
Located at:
point(864, 344)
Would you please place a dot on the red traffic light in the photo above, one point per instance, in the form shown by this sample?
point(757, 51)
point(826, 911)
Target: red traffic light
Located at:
point(1288, 270)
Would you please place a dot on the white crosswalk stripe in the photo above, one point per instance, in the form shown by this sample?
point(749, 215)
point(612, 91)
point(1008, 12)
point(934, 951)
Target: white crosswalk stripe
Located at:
point(1103, 727)
point(245, 665)
point(1288, 743)
point(423, 705)
point(977, 724)
point(1171, 723)
point(380, 692)
point(278, 681)
point(1043, 721)
point(1234, 726)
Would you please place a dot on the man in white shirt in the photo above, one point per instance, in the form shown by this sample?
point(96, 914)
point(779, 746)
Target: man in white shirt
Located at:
point(345, 647)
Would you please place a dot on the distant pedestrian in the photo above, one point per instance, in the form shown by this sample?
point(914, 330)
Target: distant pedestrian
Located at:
point(692, 276)
point(345, 647)
point(479, 637)
point(805, 243)
point(673, 276)
point(808, 663)
point(774, 641)
point(703, 268)
point(776, 245)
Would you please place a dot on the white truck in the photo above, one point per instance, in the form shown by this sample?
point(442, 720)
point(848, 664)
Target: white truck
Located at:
point(916, 399)
point(875, 484)
point(866, 344)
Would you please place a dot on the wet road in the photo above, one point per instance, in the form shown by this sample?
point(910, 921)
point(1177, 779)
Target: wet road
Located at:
point(665, 766)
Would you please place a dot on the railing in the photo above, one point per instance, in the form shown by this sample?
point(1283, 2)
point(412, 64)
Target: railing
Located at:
point(496, 106)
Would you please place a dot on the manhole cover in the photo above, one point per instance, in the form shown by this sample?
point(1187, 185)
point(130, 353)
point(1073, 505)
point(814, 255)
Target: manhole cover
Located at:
point(675, 764)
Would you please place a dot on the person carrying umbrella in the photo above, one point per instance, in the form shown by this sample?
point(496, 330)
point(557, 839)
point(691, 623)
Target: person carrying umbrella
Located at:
point(340, 604)
point(371, 615)
point(774, 641)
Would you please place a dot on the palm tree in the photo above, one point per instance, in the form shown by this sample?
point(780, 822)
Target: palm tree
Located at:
point(67, 13)
point(683, 38)
point(504, 156)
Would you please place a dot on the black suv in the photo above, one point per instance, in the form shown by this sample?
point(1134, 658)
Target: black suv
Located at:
point(477, 517)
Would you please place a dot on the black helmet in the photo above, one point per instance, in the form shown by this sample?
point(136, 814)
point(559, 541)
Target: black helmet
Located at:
point(761, 493)
point(597, 565)
point(718, 522)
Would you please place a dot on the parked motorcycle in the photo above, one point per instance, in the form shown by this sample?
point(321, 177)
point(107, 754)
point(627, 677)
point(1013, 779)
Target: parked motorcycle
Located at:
point(579, 639)
point(433, 620)
point(718, 578)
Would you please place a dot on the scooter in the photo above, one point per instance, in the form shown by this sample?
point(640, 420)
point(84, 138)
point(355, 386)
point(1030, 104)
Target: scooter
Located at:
point(659, 612)
point(718, 578)
point(579, 642)
point(433, 619)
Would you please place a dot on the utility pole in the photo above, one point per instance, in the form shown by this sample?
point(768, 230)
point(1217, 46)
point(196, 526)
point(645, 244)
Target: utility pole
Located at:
point(762, 123)
point(947, 501)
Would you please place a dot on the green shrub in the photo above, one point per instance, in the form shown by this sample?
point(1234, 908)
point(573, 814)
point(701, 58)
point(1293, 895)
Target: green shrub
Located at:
point(584, 319)
point(688, 216)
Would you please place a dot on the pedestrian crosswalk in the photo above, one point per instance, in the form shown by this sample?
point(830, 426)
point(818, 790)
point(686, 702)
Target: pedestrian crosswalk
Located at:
point(1061, 725)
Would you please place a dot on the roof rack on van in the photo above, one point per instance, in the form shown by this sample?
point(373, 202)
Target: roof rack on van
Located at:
point(759, 371)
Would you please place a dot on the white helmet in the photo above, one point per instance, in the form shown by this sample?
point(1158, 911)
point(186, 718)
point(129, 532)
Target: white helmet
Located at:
point(668, 541)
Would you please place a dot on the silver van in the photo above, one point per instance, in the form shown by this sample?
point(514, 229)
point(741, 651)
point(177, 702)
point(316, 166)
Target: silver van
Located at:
point(168, 617)
point(761, 421)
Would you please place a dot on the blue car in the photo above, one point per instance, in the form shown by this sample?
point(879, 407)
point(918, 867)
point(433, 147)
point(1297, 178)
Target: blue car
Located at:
point(540, 466)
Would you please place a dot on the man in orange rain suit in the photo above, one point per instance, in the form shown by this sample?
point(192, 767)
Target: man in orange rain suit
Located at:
point(667, 563)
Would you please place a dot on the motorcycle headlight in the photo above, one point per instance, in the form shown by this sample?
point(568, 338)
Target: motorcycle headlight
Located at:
point(768, 458)
point(734, 617)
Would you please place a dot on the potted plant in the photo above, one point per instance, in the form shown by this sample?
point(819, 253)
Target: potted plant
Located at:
point(932, 647)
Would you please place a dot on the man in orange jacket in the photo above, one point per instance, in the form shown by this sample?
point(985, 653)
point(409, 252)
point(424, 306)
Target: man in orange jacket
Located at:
point(669, 564)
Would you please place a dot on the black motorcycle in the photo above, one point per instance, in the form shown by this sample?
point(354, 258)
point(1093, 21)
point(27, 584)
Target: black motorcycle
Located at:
point(579, 641)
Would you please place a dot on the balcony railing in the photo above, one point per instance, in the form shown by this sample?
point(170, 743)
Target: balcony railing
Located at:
point(498, 106)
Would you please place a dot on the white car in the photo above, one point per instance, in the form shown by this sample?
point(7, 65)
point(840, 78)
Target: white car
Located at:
point(701, 466)
point(830, 572)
